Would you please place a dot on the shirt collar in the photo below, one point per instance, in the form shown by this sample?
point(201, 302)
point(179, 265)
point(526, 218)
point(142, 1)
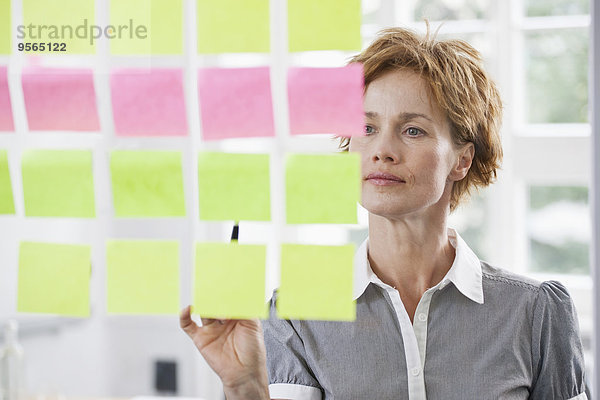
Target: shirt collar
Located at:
point(465, 272)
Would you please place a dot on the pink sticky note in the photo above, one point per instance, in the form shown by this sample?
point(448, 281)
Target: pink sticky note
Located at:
point(326, 100)
point(6, 117)
point(60, 99)
point(148, 102)
point(235, 102)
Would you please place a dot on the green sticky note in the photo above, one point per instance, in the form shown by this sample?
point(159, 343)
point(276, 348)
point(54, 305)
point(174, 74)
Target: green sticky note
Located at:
point(316, 283)
point(234, 187)
point(54, 279)
point(142, 277)
point(147, 184)
point(5, 27)
point(7, 205)
point(58, 183)
point(146, 26)
point(322, 188)
point(229, 281)
point(324, 25)
point(233, 26)
point(68, 22)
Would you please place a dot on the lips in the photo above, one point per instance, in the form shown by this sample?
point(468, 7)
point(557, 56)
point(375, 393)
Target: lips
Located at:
point(382, 178)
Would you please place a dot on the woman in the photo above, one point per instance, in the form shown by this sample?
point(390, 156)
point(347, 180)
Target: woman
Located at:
point(433, 321)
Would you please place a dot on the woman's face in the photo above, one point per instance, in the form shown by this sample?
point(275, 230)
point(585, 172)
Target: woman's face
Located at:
point(408, 158)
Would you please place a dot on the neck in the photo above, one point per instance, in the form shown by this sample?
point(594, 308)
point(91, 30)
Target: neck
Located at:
point(410, 254)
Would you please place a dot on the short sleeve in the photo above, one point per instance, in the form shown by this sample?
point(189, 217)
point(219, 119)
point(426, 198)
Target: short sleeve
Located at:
point(289, 375)
point(557, 353)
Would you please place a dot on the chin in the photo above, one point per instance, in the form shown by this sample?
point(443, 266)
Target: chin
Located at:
point(389, 210)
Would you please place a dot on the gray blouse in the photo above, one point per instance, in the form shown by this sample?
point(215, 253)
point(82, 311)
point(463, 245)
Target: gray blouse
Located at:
point(481, 333)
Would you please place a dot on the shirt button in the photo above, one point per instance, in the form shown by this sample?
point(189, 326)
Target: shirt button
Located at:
point(416, 371)
point(422, 317)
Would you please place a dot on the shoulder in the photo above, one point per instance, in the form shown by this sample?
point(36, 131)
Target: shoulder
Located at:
point(493, 275)
point(510, 287)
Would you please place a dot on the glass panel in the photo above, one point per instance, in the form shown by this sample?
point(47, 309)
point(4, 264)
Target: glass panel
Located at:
point(441, 10)
point(478, 40)
point(471, 223)
point(558, 224)
point(541, 8)
point(370, 11)
point(556, 80)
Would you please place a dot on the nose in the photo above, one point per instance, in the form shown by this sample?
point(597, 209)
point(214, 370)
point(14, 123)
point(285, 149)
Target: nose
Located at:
point(385, 150)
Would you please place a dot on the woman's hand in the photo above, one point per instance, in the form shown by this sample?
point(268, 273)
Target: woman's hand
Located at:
point(235, 350)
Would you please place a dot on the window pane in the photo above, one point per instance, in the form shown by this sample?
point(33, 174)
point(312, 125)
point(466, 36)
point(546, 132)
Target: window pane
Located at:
point(540, 8)
point(556, 64)
point(558, 223)
point(478, 40)
point(439, 10)
point(470, 220)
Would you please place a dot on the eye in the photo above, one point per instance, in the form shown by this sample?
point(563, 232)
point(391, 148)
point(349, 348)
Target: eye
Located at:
point(369, 129)
point(412, 131)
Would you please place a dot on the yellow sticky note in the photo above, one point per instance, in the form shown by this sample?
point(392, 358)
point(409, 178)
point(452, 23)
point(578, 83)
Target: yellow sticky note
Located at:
point(229, 281)
point(68, 22)
point(234, 186)
point(5, 27)
point(7, 205)
point(142, 277)
point(58, 183)
point(322, 188)
point(316, 283)
point(233, 26)
point(147, 183)
point(54, 279)
point(146, 26)
point(324, 25)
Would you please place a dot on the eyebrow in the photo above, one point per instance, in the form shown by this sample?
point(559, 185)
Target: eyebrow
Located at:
point(403, 116)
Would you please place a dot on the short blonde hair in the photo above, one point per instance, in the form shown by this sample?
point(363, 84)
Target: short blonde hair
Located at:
point(454, 72)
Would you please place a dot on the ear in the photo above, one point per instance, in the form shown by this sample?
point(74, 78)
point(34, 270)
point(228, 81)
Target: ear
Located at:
point(463, 162)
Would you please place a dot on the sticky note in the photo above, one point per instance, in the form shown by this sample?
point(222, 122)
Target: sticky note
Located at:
point(322, 188)
point(146, 27)
point(5, 27)
point(148, 102)
point(58, 183)
point(69, 22)
point(234, 187)
point(324, 25)
point(7, 205)
point(142, 277)
point(235, 102)
point(6, 116)
point(54, 279)
point(229, 281)
point(147, 183)
point(60, 99)
point(316, 283)
point(326, 100)
point(233, 26)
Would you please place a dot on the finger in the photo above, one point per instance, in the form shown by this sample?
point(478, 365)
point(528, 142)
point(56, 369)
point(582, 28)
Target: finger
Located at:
point(186, 323)
point(209, 321)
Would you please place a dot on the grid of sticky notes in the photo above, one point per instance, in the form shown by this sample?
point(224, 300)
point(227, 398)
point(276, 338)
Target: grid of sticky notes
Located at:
point(143, 276)
point(157, 27)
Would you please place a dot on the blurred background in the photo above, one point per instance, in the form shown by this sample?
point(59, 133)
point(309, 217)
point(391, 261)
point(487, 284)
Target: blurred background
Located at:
point(535, 220)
